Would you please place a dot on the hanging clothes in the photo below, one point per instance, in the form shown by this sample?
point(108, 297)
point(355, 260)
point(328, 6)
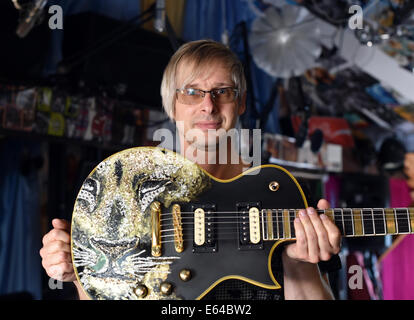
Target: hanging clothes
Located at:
point(20, 239)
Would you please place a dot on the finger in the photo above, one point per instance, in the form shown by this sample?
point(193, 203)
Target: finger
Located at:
point(301, 248)
point(53, 247)
point(61, 224)
point(56, 258)
point(323, 204)
point(334, 235)
point(325, 249)
point(311, 237)
point(56, 234)
point(61, 271)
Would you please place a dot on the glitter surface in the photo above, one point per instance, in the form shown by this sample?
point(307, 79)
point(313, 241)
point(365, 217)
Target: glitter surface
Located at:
point(111, 225)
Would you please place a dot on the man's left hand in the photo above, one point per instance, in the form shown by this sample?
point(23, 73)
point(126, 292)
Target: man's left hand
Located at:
point(317, 237)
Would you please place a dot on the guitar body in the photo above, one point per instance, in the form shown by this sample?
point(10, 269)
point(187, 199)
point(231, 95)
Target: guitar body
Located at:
point(113, 226)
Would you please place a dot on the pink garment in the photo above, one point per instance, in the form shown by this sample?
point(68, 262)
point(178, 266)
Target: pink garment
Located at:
point(397, 265)
point(397, 271)
point(399, 193)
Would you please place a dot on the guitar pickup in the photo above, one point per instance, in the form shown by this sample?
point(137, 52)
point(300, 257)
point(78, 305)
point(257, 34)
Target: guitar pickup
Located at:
point(204, 239)
point(248, 226)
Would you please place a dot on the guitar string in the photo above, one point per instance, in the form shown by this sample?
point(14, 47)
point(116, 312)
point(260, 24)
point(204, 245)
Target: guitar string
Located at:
point(280, 219)
point(319, 211)
point(349, 231)
point(275, 231)
point(338, 217)
point(274, 238)
point(280, 224)
point(222, 237)
point(411, 214)
point(275, 220)
point(280, 228)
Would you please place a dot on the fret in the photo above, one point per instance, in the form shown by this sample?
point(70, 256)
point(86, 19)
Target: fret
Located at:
point(280, 224)
point(402, 221)
point(390, 218)
point(373, 221)
point(348, 222)
point(286, 224)
point(358, 226)
point(292, 216)
point(379, 221)
point(368, 222)
point(339, 220)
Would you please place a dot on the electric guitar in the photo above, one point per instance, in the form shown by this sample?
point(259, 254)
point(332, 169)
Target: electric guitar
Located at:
point(150, 224)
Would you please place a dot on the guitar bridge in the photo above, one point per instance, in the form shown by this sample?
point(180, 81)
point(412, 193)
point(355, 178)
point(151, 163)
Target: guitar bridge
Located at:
point(204, 228)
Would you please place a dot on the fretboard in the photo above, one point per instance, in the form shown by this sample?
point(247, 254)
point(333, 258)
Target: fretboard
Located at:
point(278, 224)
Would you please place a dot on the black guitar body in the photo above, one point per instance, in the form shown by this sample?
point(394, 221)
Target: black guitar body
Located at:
point(231, 259)
point(123, 248)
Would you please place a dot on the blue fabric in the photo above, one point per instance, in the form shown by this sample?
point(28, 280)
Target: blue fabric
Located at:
point(20, 238)
point(204, 20)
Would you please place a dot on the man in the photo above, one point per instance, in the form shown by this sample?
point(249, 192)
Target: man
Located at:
point(204, 92)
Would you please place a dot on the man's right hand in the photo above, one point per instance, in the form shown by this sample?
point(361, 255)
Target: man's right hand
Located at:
point(56, 253)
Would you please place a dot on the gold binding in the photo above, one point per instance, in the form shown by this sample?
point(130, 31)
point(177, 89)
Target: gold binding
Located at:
point(155, 229)
point(178, 229)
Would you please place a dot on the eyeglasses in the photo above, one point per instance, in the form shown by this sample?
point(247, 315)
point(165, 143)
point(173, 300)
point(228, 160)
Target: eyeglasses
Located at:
point(193, 96)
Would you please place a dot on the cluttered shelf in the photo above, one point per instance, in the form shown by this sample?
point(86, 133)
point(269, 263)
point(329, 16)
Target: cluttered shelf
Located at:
point(47, 114)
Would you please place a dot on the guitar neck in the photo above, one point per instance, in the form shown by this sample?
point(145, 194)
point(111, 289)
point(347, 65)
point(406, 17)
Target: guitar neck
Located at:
point(277, 224)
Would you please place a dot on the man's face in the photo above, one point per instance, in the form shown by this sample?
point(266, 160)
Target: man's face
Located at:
point(197, 124)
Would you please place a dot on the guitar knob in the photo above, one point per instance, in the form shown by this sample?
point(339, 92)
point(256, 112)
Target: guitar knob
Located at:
point(166, 288)
point(141, 291)
point(185, 274)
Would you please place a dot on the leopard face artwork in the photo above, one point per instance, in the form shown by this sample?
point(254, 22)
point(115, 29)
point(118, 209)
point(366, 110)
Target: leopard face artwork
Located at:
point(112, 224)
